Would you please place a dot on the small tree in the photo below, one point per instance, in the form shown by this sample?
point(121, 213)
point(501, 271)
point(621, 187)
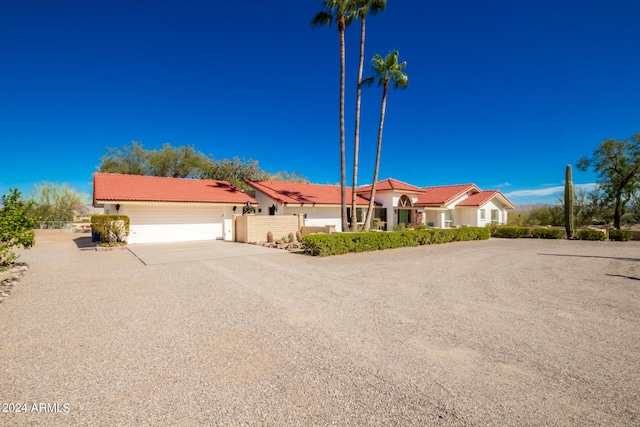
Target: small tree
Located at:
point(16, 227)
point(53, 202)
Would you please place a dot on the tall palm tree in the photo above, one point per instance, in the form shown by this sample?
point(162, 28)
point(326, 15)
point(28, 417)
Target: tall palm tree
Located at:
point(387, 70)
point(363, 8)
point(340, 11)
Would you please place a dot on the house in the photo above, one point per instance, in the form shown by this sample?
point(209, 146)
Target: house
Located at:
point(396, 202)
point(319, 204)
point(463, 204)
point(170, 209)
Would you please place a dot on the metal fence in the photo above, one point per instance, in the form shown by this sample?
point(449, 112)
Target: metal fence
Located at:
point(54, 225)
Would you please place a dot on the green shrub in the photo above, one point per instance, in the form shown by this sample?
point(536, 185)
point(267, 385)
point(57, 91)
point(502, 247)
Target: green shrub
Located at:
point(512, 232)
point(620, 235)
point(587, 234)
point(547, 233)
point(341, 243)
point(111, 228)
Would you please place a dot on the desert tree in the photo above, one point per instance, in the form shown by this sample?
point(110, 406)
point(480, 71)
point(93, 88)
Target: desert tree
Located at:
point(130, 159)
point(617, 165)
point(57, 202)
point(386, 70)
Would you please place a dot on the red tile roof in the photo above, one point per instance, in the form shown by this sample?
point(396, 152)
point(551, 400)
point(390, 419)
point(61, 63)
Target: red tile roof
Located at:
point(300, 193)
point(444, 194)
point(139, 188)
point(483, 197)
point(391, 184)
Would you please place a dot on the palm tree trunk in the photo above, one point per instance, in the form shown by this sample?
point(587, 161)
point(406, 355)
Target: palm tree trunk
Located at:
point(356, 138)
point(343, 167)
point(379, 148)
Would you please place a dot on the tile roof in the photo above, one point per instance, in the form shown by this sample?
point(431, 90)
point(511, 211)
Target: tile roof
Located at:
point(483, 197)
point(301, 193)
point(140, 188)
point(444, 194)
point(391, 184)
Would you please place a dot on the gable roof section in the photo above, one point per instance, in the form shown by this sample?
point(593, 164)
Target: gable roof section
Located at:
point(483, 197)
point(304, 194)
point(441, 195)
point(139, 188)
point(390, 184)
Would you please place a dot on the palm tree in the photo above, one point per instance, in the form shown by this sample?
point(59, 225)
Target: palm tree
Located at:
point(387, 70)
point(340, 11)
point(364, 7)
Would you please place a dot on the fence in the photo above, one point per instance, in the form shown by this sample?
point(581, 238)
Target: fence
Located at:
point(54, 225)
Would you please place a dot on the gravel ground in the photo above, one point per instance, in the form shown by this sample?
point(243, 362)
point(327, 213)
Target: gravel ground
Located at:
point(492, 333)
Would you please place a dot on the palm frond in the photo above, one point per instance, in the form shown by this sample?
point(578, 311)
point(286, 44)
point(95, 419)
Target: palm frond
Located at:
point(368, 82)
point(322, 18)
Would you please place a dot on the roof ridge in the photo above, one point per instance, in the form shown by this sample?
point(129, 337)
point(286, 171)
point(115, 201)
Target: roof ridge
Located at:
point(161, 177)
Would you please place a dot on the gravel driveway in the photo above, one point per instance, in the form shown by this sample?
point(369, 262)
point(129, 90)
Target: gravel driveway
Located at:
point(497, 333)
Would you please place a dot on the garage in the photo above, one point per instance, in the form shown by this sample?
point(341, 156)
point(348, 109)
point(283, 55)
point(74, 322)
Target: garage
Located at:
point(174, 223)
point(170, 209)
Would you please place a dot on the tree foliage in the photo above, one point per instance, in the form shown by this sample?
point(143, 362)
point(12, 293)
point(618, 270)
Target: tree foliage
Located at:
point(617, 165)
point(168, 161)
point(16, 226)
point(186, 161)
point(53, 202)
point(235, 171)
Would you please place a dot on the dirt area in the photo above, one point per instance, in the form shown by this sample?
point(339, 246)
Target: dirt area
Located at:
point(489, 333)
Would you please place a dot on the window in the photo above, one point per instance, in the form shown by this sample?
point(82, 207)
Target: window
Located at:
point(495, 215)
point(483, 214)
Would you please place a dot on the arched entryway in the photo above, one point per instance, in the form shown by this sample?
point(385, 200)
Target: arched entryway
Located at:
point(405, 210)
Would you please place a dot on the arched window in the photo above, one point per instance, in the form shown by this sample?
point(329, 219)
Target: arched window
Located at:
point(404, 202)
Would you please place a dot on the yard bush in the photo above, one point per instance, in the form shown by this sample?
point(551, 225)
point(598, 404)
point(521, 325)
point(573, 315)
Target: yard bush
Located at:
point(342, 243)
point(587, 234)
point(547, 233)
point(512, 232)
point(620, 235)
point(113, 229)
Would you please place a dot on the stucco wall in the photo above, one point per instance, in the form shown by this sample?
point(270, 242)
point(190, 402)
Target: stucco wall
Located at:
point(254, 228)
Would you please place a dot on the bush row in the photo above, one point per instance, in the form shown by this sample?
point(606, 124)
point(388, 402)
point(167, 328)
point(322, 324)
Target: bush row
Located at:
point(620, 235)
point(342, 243)
point(591, 235)
point(515, 232)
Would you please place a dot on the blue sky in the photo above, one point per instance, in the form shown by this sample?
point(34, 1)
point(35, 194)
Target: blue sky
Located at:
point(502, 94)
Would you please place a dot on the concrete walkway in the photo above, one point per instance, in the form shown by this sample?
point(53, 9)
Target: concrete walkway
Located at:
point(164, 253)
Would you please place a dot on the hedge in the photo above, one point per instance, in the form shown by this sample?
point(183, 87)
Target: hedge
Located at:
point(342, 243)
point(113, 229)
point(590, 235)
point(547, 233)
point(620, 235)
point(516, 232)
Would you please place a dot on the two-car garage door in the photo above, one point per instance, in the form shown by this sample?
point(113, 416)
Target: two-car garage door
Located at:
point(174, 223)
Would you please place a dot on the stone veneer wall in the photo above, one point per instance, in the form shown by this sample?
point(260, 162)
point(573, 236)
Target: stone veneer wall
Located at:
point(254, 228)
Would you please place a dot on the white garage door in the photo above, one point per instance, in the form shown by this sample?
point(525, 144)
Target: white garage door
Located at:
point(166, 223)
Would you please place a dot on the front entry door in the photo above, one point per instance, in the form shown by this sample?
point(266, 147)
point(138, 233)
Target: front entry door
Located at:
point(404, 216)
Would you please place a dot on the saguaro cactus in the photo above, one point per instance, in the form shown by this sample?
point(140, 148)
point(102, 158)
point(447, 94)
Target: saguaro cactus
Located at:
point(568, 202)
